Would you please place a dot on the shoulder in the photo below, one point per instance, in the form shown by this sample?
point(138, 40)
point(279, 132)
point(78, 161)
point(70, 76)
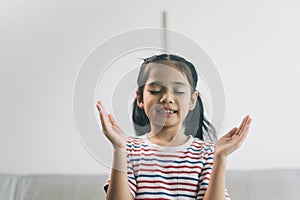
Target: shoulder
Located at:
point(203, 145)
point(135, 142)
point(135, 139)
point(206, 151)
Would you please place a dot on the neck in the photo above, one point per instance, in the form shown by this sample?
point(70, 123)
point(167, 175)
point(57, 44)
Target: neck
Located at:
point(167, 136)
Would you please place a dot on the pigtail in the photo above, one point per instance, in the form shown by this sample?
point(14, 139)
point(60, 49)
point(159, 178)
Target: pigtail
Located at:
point(205, 128)
point(197, 125)
point(141, 123)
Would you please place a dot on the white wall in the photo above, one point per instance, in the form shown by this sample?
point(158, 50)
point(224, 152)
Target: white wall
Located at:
point(254, 45)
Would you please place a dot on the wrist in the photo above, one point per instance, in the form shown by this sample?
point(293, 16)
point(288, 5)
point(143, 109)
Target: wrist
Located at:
point(119, 150)
point(120, 160)
point(119, 147)
point(220, 157)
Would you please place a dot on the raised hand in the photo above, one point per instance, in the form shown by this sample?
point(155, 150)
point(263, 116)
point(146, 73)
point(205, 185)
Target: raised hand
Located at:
point(233, 139)
point(110, 128)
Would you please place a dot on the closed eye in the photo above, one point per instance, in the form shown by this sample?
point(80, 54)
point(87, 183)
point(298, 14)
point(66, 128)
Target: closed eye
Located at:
point(157, 92)
point(154, 92)
point(177, 92)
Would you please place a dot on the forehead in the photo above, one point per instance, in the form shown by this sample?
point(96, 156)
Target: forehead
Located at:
point(165, 74)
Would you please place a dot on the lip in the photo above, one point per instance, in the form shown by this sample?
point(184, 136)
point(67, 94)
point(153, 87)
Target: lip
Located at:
point(166, 108)
point(167, 114)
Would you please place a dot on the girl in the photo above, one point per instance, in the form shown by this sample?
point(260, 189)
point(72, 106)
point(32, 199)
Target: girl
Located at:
point(169, 158)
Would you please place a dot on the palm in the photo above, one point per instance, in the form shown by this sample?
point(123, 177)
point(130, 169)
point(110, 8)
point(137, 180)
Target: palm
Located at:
point(233, 139)
point(110, 128)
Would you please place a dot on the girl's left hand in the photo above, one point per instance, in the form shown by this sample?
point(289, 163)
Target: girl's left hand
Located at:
point(233, 139)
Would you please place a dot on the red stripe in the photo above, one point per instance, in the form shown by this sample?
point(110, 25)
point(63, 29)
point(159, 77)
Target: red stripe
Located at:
point(130, 181)
point(169, 172)
point(208, 163)
point(182, 166)
point(132, 189)
point(169, 189)
point(155, 199)
point(193, 153)
point(196, 145)
point(166, 183)
point(209, 153)
point(140, 149)
point(164, 155)
point(132, 149)
point(203, 189)
point(206, 173)
point(155, 150)
point(205, 179)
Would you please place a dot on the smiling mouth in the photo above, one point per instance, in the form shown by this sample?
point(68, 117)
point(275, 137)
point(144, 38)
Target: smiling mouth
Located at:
point(167, 111)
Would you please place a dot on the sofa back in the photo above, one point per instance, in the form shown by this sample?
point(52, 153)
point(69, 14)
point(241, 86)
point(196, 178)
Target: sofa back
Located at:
point(242, 185)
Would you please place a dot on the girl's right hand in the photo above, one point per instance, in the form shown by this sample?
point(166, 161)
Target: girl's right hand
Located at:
point(110, 128)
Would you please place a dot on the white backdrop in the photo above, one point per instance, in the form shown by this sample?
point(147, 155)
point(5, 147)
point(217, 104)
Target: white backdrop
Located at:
point(254, 45)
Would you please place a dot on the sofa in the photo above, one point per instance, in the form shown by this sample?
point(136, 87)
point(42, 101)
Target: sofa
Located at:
point(242, 185)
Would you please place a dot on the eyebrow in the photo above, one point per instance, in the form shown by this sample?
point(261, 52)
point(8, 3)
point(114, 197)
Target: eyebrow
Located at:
point(161, 83)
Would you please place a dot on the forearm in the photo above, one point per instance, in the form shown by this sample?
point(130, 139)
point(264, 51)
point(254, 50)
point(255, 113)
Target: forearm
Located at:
point(216, 186)
point(118, 186)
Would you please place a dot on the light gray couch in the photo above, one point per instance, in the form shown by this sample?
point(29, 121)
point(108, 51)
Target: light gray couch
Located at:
point(242, 185)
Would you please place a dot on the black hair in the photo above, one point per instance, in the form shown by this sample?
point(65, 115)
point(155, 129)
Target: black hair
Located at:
point(195, 121)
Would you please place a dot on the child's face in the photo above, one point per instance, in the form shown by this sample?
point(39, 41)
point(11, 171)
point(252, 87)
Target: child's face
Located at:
point(167, 96)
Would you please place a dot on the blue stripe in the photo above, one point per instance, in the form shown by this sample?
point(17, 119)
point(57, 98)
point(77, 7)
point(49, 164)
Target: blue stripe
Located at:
point(204, 184)
point(131, 177)
point(130, 168)
point(191, 148)
point(136, 146)
point(202, 148)
point(172, 177)
point(171, 161)
point(206, 168)
point(172, 195)
point(209, 158)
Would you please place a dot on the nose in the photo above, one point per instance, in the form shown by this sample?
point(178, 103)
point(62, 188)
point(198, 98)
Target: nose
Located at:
point(167, 97)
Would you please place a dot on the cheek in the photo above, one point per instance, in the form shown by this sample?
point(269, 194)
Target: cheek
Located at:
point(184, 102)
point(185, 106)
point(150, 107)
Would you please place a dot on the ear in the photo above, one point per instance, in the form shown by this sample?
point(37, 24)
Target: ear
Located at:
point(193, 101)
point(139, 103)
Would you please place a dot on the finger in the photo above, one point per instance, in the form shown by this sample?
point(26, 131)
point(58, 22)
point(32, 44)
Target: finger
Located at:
point(112, 120)
point(97, 105)
point(102, 109)
point(114, 123)
point(246, 124)
point(242, 125)
point(232, 132)
point(244, 131)
point(103, 116)
point(243, 137)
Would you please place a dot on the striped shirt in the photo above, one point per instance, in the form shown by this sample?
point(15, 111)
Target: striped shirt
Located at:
point(156, 172)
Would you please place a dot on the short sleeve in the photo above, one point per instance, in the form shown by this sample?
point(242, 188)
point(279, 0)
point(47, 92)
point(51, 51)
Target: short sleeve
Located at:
point(130, 176)
point(206, 172)
point(105, 186)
